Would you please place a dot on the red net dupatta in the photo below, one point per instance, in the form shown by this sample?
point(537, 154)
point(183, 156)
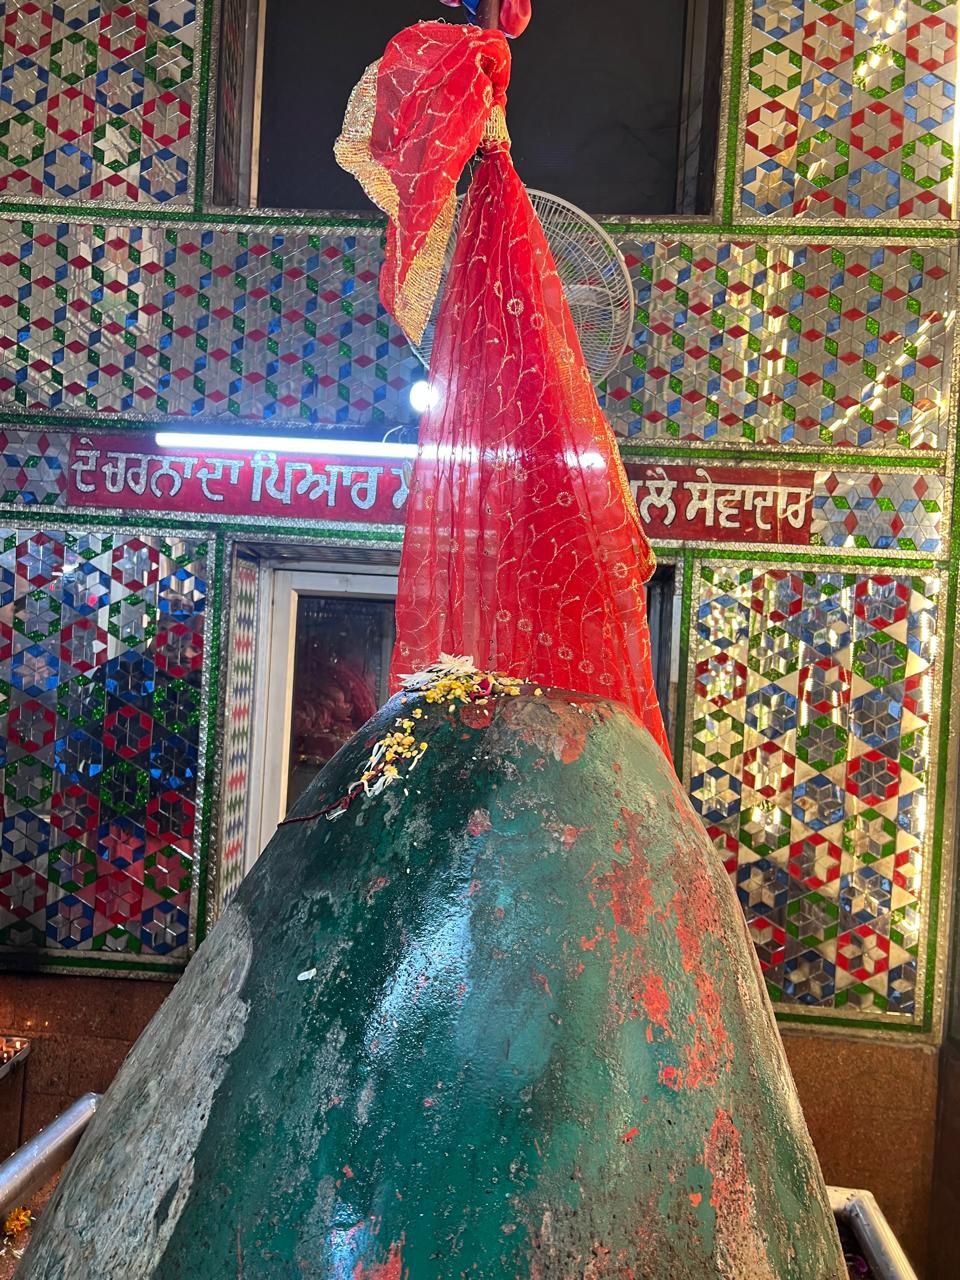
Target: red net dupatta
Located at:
point(412, 123)
point(523, 548)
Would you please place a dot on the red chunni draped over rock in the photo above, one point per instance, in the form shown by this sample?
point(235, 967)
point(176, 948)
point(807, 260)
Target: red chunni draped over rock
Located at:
point(523, 548)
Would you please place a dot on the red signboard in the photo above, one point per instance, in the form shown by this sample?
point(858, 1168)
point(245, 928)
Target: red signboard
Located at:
point(714, 503)
point(677, 503)
point(130, 471)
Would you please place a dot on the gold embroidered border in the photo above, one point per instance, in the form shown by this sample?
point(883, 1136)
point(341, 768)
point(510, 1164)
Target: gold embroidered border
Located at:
point(418, 283)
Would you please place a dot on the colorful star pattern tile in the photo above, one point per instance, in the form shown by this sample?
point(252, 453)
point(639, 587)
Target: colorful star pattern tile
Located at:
point(97, 101)
point(737, 342)
point(879, 511)
point(849, 110)
point(844, 346)
point(101, 661)
point(810, 769)
point(199, 322)
point(238, 725)
point(33, 467)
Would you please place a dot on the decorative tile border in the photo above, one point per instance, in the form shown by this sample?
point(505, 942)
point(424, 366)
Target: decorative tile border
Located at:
point(739, 343)
point(33, 467)
point(881, 511)
point(235, 783)
point(896, 512)
point(812, 712)
point(848, 111)
point(98, 101)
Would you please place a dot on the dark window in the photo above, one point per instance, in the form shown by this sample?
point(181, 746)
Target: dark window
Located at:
point(660, 596)
point(341, 658)
point(606, 102)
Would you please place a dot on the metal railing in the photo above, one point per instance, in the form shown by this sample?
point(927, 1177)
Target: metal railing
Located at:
point(880, 1246)
point(38, 1160)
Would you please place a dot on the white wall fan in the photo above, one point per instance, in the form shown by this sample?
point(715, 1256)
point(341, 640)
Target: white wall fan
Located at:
point(594, 276)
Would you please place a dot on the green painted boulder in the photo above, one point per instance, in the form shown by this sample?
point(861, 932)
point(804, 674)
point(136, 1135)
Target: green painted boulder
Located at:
point(501, 1019)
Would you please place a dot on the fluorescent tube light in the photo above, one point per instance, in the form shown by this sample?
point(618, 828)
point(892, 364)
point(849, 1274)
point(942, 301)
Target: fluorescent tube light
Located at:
point(224, 443)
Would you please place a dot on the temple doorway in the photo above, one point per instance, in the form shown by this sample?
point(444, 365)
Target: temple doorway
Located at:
point(328, 657)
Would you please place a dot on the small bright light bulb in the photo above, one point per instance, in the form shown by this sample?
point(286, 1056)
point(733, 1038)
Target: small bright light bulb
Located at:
point(423, 396)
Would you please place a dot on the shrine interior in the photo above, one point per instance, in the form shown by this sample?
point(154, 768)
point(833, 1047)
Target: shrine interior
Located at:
point(209, 424)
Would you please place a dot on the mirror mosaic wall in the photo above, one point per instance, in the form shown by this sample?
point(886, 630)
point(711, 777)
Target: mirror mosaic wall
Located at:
point(806, 328)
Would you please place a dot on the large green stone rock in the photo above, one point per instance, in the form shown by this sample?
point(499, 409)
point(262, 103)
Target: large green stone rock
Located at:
point(502, 1020)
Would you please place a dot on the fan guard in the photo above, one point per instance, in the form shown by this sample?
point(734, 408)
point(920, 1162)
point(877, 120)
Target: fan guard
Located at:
point(595, 280)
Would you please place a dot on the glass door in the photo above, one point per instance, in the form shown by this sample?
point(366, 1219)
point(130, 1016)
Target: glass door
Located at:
point(341, 660)
point(327, 653)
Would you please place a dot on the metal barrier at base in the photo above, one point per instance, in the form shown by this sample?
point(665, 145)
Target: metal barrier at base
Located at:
point(38, 1160)
point(859, 1211)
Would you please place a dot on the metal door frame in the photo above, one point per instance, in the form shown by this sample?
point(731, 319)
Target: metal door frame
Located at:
point(284, 585)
